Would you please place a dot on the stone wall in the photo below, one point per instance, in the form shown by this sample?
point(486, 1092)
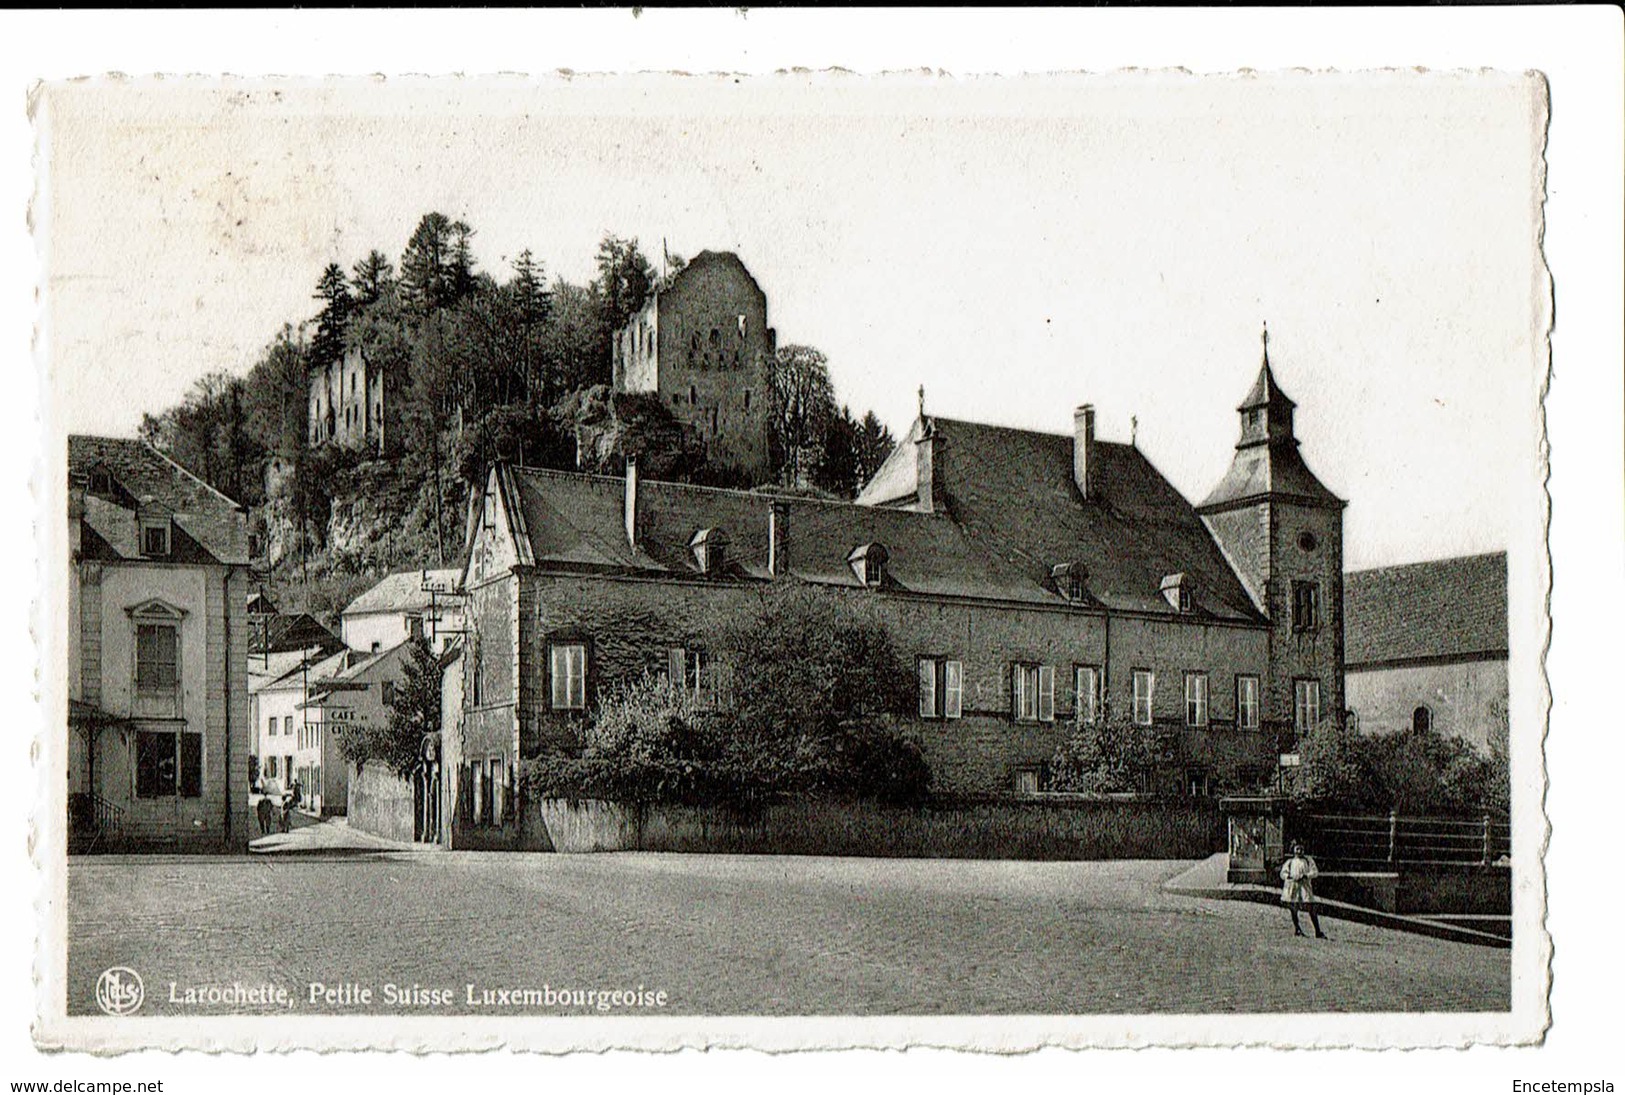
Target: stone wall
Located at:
point(630, 623)
point(380, 802)
point(1046, 829)
point(1464, 699)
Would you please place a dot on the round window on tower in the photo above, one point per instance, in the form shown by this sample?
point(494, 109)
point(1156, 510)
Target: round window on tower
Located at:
point(1307, 541)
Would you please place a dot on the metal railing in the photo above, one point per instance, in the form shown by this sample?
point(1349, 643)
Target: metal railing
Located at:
point(91, 817)
point(1375, 841)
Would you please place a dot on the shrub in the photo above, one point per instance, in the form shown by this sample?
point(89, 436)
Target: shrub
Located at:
point(646, 743)
point(1414, 773)
point(808, 708)
point(1104, 758)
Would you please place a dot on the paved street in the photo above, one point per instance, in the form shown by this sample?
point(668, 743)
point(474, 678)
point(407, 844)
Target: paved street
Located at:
point(725, 935)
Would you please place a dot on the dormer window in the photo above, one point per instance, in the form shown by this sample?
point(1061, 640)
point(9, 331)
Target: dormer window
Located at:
point(155, 537)
point(710, 548)
point(1176, 590)
point(1071, 580)
point(868, 563)
point(100, 481)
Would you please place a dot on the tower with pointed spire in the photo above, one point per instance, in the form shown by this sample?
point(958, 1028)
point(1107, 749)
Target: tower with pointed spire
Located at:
point(1282, 531)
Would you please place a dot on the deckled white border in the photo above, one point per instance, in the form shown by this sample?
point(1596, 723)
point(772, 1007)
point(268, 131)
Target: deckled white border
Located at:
point(1279, 1029)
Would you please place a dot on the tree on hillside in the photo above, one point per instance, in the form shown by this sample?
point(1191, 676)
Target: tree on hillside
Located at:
point(275, 394)
point(414, 712)
point(801, 408)
point(209, 435)
point(574, 344)
point(853, 451)
point(333, 290)
point(516, 434)
point(625, 279)
point(436, 267)
point(373, 278)
point(531, 305)
point(438, 392)
point(529, 289)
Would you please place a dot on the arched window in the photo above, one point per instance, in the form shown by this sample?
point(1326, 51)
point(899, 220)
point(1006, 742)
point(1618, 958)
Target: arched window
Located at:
point(1421, 720)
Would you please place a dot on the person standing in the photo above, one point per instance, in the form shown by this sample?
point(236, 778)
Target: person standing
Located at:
point(265, 810)
point(290, 802)
point(1298, 876)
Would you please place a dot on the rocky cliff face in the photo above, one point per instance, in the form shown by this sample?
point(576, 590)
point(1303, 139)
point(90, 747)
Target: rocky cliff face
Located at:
point(362, 522)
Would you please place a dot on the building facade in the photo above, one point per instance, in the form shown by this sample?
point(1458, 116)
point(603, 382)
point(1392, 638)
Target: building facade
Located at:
point(701, 344)
point(350, 404)
point(1427, 648)
point(422, 604)
point(159, 734)
point(349, 691)
point(278, 685)
point(1282, 532)
point(1036, 581)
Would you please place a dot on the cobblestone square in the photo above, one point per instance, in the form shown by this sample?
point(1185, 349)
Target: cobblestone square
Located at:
point(735, 935)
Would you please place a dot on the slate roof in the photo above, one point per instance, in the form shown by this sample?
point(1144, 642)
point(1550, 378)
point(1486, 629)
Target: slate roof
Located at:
point(207, 526)
point(1445, 609)
point(289, 631)
point(346, 665)
point(269, 671)
point(1276, 469)
point(1014, 491)
point(1012, 512)
point(1265, 391)
point(401, 592)
point(574, 520)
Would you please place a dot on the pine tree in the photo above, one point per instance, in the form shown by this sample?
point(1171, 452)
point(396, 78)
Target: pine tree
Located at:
point(373, 278)
point(529, 290)
point(532, 304)
point(414, 712)
point(333, 290)
point(425, 265)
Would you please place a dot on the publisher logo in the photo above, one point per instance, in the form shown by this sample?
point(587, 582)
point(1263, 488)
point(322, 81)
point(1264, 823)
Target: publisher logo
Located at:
point(119, 991)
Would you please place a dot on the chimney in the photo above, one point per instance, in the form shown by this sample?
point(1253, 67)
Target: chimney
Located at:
point(76, 515)
point(632, 500)
point(1083, 446)
point(925, 467)
point(778, 524)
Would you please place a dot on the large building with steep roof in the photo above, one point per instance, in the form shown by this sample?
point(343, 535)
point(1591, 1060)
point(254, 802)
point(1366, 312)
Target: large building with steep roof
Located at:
point(1427, 647)
point(1036, 581)
point(158, 727)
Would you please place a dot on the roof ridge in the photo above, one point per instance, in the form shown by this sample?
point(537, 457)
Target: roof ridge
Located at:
point(1415, 563)
point(1062, 435)
point(172, 463)
point(737, 492)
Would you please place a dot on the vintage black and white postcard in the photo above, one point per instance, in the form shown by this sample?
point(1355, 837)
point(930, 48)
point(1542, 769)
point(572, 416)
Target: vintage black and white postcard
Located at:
point(793, 560)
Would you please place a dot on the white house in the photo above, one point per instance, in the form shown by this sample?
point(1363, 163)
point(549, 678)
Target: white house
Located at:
point(277, 686)
point(349, 690)
point(158, 725)
point(404, 605)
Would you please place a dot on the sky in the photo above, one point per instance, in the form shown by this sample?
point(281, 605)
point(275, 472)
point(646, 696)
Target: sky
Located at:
point(1017, 246)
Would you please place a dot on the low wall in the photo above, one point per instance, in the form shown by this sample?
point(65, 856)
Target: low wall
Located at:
point(1423, 890)
point(1017, 829)
point(380, 802)
point(1456, 889)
